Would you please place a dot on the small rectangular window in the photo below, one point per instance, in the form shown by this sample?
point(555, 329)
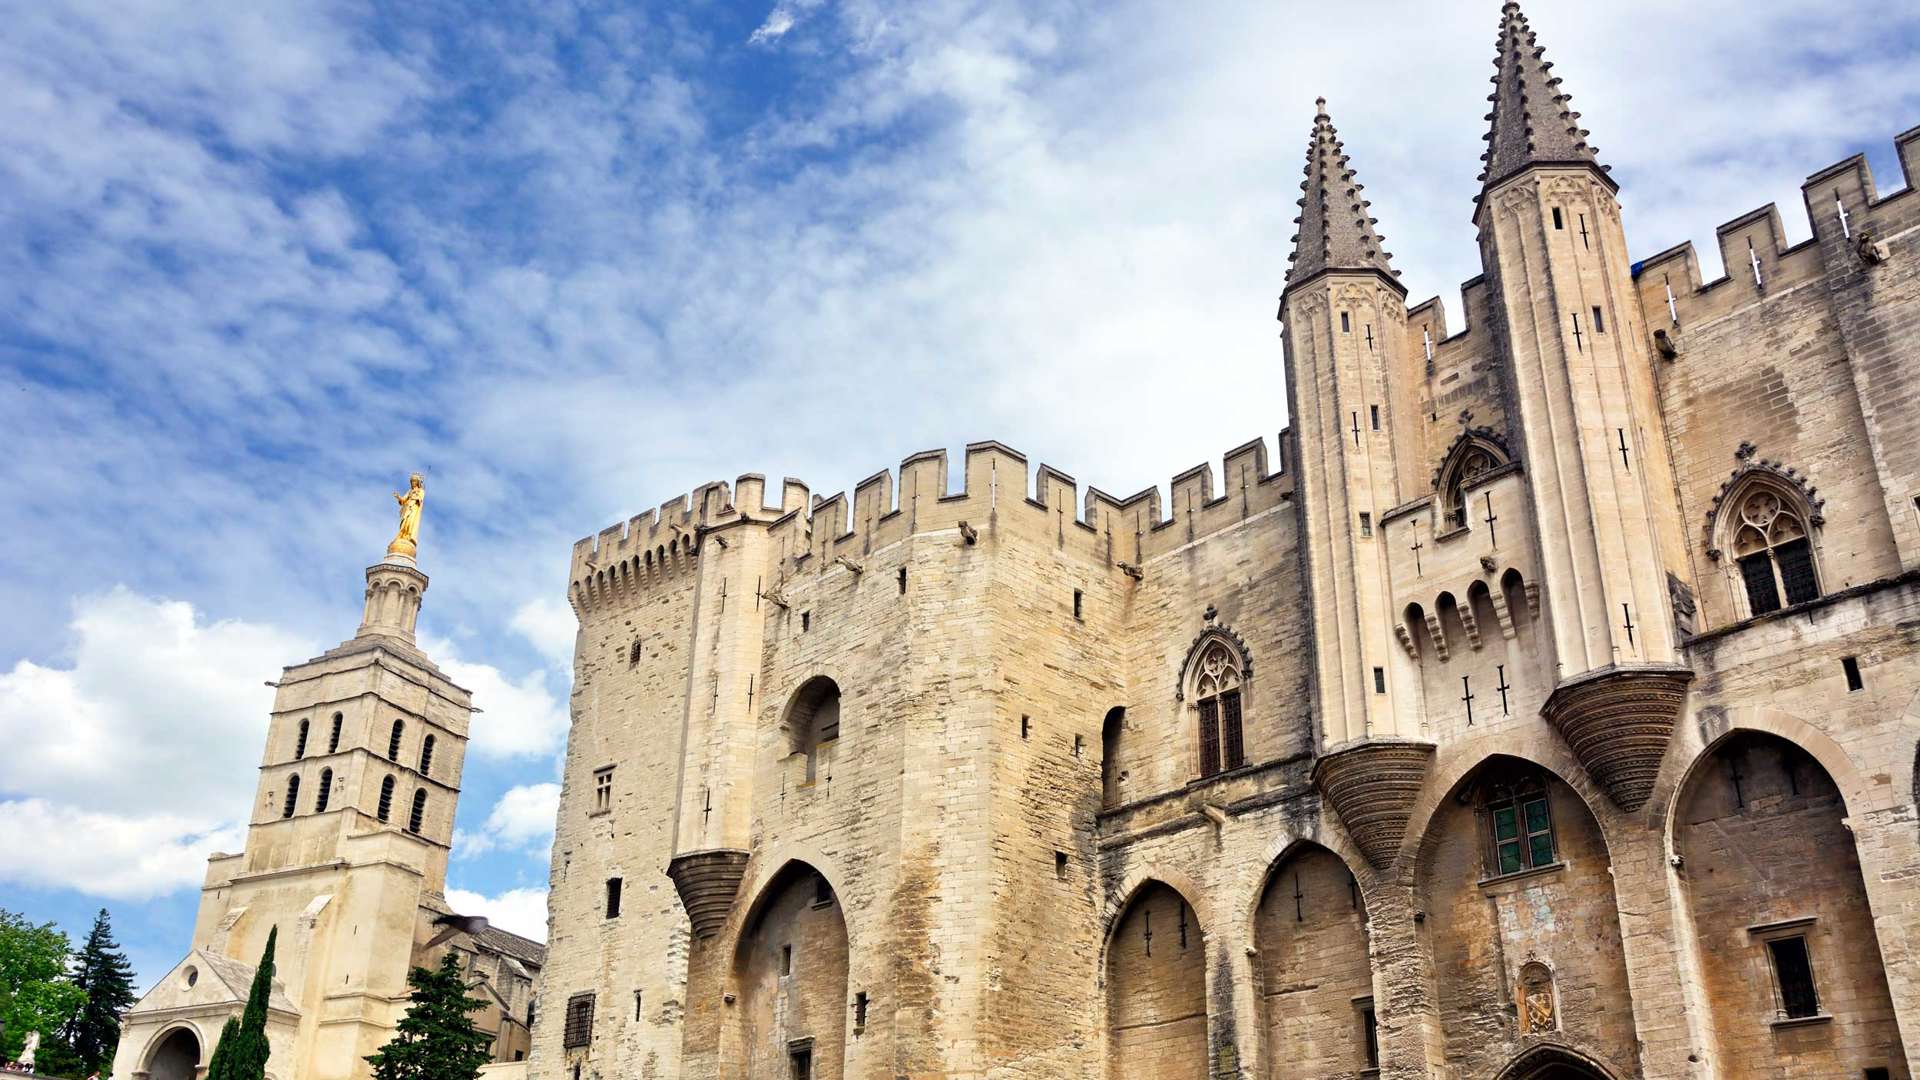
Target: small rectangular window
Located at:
point(1379, 680)
point(786, 959)
point(1851, 665)
point(1877, 1072)
point(1079, 745)
point(1078, 603)
point(1522, 834)
point(859, 1012)
point(1366, 525)
point(802, 1063)
point(806, 621)
point(603, 790)
point(1557, 222)
point(1375, 411)
point(822, 891)
point(636, 1004)
point(613, 898)
point(1026, 726)
point(1599, 322)
point(1793, 973)
point(1345, 326)
point(1060, 865)
point(903, 581)
point(1370, 1032)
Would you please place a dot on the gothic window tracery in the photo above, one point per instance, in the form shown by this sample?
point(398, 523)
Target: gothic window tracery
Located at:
point(1218, 677)
point(1475, 464)
point(1774, 550)
point(1475, 453)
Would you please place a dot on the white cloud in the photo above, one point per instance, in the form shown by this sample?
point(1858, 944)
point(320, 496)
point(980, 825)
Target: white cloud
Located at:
point(124, 856)
point(549, 626)
point(518, 717)
point(521, 911)
point(522, 819)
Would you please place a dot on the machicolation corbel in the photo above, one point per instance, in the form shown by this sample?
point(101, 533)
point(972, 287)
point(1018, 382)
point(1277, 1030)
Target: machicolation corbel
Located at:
point(968, 533)
point(842, 560)
point(1131, 570)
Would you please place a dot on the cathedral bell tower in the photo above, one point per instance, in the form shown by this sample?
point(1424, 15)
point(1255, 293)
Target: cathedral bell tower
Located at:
point(1344, 313)
point(1581, 385)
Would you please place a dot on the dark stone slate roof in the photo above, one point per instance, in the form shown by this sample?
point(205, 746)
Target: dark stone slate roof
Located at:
point(1336, 226)
point(507, 943)
point(1533, 121)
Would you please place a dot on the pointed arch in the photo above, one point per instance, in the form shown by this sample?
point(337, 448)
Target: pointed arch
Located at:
point(1214, 681)
point(1766, 518)
point(1313, 974)
point(1555, 1060)
point(1154, 971)
point(1474, 455)
point(789, 975)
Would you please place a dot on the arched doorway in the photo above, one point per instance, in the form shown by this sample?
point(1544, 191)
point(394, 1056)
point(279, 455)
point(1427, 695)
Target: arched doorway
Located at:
point(176, 1056)
point(1156, 989)
point(1553, 1063)
point(790, 975)
point(1315, 978)
point(1522, 927)
point(1785, 937)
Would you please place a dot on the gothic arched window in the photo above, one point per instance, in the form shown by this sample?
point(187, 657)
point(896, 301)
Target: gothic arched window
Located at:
point(1473, 465)
point(426, 755)
point(300, 744)
point(333, 740)
point(293, 796)
point(385, 809)
point(321, 797)
point(419, 812)
point(393, 743)
point(1474, 454)
point(1774, 549)
point(1217, 680)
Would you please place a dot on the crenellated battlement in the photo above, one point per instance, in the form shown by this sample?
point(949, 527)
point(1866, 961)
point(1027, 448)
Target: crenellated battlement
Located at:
point(997, 491)
point(1842, 205)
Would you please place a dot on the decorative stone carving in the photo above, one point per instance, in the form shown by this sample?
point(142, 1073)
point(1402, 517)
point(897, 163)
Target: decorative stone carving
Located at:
point(1406, 640)
point(1372, 786)
point(1618, 721)
point(1439, 635)
point(707, 882)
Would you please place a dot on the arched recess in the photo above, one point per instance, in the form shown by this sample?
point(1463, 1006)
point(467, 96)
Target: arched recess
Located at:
point(813, 728)
point(1312, 970)
point(1155, 975)
point(1514, 876)
point(1548, 1061)
point(1474, 454)
point(174, 1055)
point(1787, 945)
point(789, 977)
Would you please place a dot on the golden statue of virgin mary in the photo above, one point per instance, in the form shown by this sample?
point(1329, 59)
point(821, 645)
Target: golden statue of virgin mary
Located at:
point(407, 541)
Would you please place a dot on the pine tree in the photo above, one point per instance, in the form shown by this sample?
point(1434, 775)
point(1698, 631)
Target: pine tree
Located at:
point(437, 1039)
point(102, 970)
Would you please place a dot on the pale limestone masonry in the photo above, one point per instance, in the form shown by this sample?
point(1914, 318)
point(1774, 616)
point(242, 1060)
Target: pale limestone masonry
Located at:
point(339, 860)
point(944, 780)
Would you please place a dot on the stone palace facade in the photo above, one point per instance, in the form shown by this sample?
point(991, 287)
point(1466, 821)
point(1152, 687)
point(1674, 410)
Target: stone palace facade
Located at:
point(1547, 710)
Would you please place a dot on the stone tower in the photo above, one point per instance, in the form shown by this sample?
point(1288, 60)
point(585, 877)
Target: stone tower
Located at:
point(1586, 418)
point(346, 854)
point(1345, 321)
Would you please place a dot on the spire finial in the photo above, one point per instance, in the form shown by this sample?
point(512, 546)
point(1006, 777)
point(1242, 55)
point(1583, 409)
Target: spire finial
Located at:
point(1336, 224)
point(1533, 122)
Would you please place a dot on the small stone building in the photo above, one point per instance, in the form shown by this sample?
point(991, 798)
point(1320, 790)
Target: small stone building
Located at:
point(1549, 709)
point(346, 856)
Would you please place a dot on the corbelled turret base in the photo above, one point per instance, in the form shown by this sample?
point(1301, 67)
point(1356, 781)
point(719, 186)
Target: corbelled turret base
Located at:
point(707, 882)
point(1619, 721)
point(1372, 786)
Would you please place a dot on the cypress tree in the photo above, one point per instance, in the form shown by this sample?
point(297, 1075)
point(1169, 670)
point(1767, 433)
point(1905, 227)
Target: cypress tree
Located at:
point(102, 971)
point(437, 1039)
point(248, 1058)
point(221, 1067)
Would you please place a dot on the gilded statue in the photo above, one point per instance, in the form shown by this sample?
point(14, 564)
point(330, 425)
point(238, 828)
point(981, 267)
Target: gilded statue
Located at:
point(407, 541)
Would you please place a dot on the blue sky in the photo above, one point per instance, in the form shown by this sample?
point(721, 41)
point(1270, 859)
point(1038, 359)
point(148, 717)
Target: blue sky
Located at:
point(259, 261)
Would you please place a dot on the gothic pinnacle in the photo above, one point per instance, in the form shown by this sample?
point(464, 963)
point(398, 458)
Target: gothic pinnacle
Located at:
point(1336, 223)
point(1533, 121)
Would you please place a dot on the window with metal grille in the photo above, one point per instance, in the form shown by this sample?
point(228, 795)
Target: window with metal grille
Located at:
point(393, 742)
point(419, 813)
point(1774, 551)
point(426, 755)
point(1216, 688)
point(325, 794)
point(300, 744)
point(579, 1027)
point(1522, 832)
point(1793, 974)
point(385, 809)
point(293, 796)
point(333, 740)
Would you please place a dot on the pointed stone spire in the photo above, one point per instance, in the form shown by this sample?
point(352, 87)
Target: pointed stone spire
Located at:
point(1336, 226)
point(1533, 121)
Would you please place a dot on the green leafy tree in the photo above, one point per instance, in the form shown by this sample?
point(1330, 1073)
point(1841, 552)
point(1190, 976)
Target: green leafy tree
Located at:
point(35, 993)
point(102, 972)
point(437, 1039)
point(243, 1048)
